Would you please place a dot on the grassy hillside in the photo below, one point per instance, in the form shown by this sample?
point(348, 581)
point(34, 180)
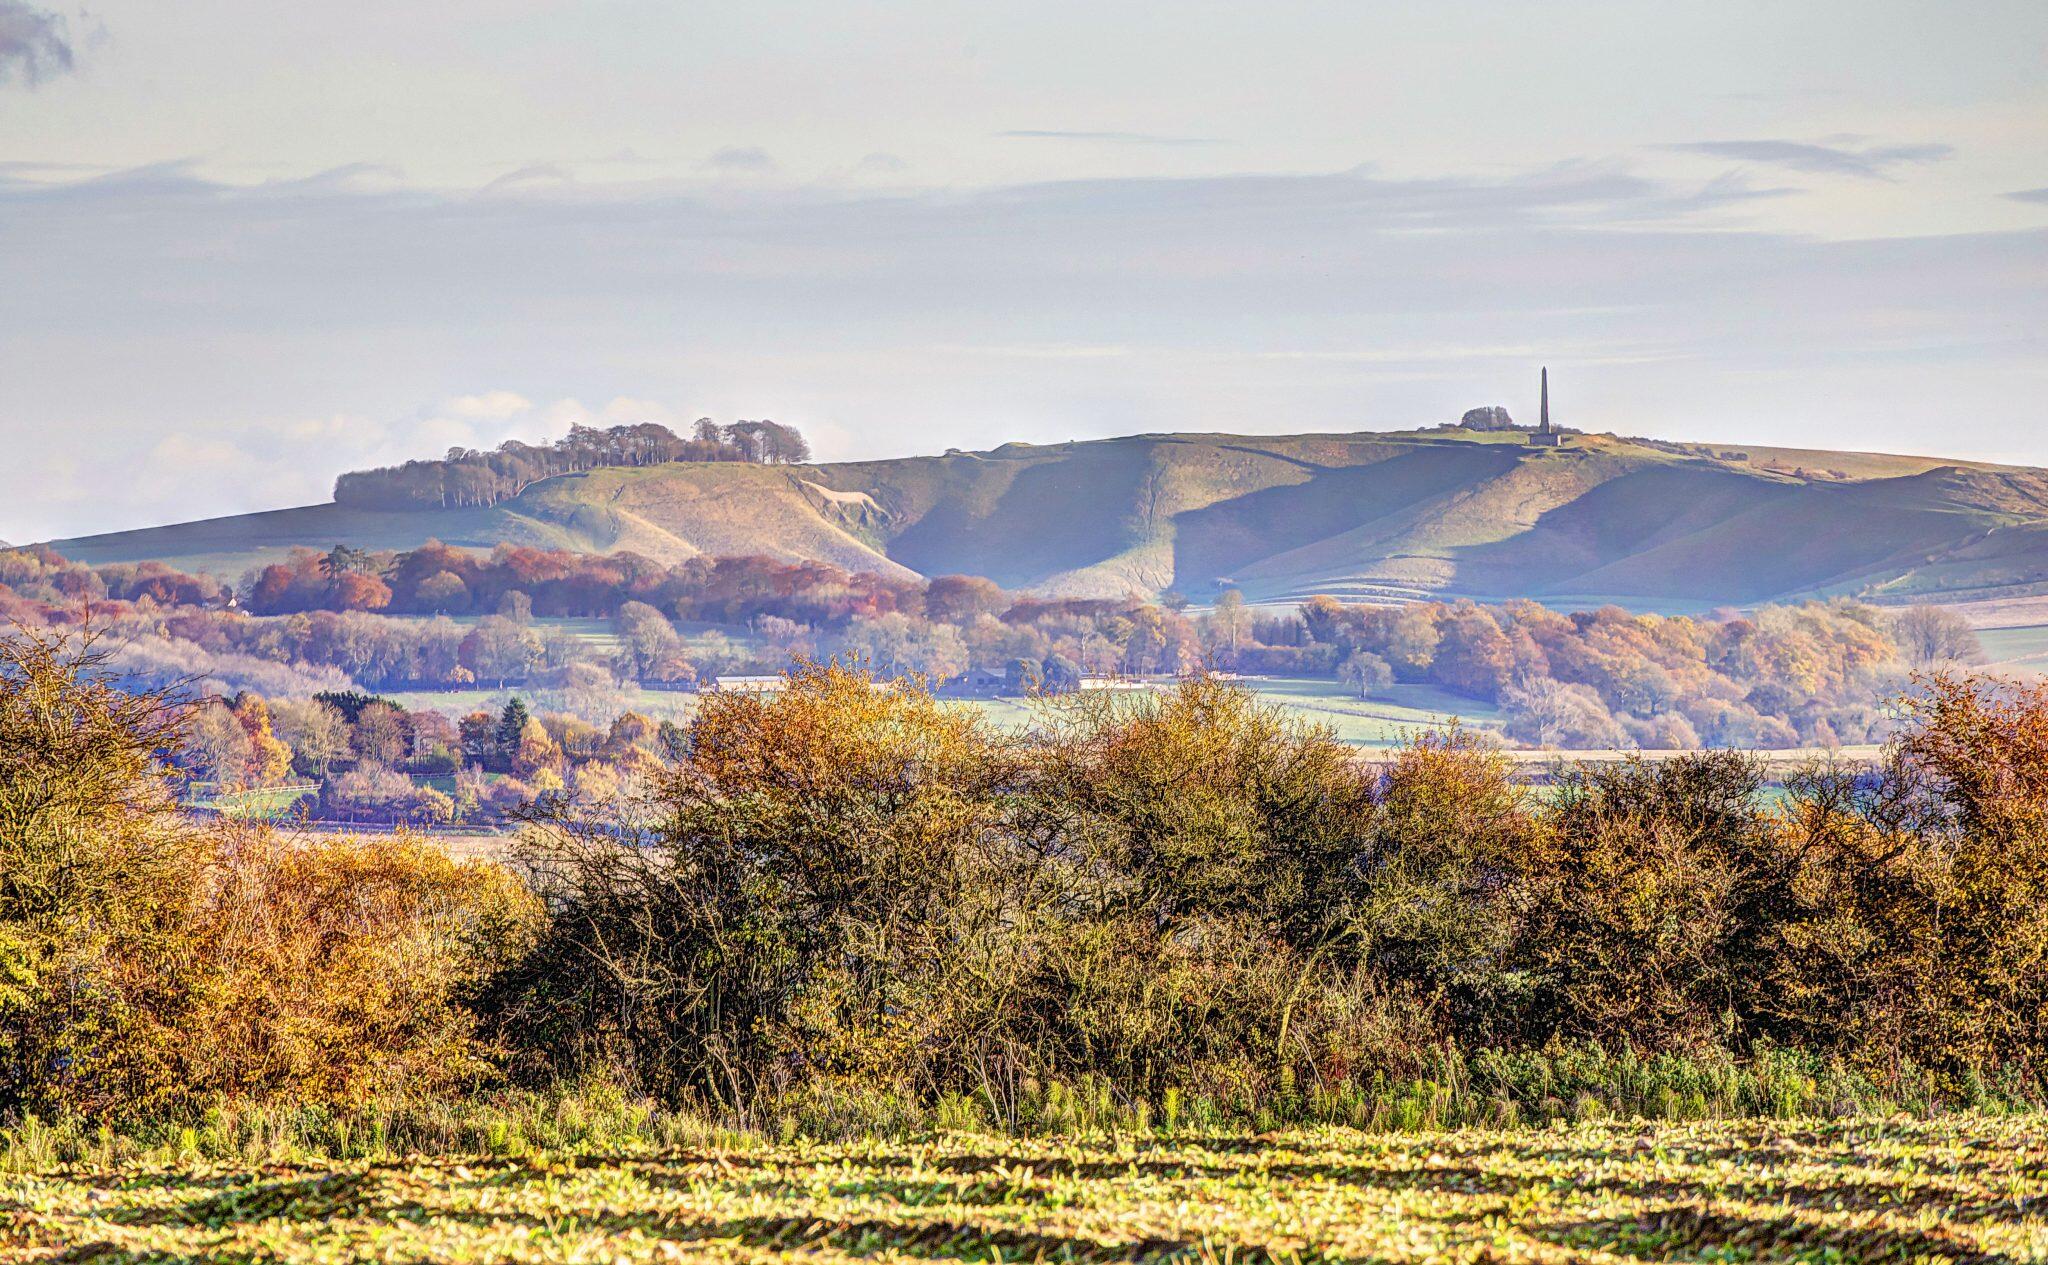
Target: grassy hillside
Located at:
point(1362, 515)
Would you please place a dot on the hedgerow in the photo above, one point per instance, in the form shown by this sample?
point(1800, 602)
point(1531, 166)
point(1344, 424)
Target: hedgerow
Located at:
point(845, 907)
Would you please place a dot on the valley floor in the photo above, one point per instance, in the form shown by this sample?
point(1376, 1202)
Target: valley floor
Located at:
point(1962, 1188)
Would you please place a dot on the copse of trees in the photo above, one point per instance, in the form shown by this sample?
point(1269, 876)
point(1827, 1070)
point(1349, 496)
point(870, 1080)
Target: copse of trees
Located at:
point(438, 579)
point(468, 477)
point(38, 574)
point(373, 762)
point(1780, 676)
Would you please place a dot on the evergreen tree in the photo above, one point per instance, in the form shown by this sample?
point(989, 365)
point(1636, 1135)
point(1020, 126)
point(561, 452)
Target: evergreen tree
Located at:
point(511, 723)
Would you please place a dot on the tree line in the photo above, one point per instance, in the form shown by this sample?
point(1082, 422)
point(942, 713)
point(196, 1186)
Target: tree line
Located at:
point(1811, 674)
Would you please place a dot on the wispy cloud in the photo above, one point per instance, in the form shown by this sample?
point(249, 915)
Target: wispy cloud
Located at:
point(532, 174)
point(1108, 138)
point(2029, 195)
point(741, 158)
point(34, 43)
point(919, 320)
point(1870, 162)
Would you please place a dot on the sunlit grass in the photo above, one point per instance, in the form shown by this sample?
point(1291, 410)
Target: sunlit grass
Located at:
point(1960, 1188)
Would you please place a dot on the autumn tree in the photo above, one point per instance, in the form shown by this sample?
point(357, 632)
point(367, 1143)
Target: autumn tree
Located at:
point(1227, 623)
point(1932, 635)
point(957, 599)
point(315, 731)
point(1365, 672)
point(649, 649)
point(1968, 783)
point(270, 758)
point(382, 734)
point(94, 859)
point(443, 592)
point(217, 748)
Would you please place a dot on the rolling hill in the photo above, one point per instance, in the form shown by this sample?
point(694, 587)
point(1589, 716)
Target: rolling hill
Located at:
point(1365, 515)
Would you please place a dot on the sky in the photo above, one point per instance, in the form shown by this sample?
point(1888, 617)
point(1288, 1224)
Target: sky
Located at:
point(246, 246)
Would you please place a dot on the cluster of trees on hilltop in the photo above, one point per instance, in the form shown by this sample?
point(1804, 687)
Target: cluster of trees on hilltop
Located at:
point(850, 906)
point(467, 477)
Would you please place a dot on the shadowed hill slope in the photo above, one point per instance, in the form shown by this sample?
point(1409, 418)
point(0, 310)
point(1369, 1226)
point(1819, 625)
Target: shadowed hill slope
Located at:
point(1362, 515)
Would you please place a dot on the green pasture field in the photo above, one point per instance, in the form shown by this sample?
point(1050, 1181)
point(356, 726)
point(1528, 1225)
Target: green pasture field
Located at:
point(2016, 651)
point(1949, 1189)
point(1382, 721)
point(598, 634)
point(660, 704)
point(267, 803)
point(591, 631)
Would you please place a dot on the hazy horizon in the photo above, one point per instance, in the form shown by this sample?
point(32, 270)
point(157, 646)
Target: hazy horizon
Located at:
point(243, 250)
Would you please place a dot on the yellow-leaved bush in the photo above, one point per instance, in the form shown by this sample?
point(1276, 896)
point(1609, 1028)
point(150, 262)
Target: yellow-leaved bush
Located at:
point(151, 964)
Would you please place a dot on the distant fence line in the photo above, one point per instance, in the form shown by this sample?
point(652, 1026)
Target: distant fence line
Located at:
point(1776, 762)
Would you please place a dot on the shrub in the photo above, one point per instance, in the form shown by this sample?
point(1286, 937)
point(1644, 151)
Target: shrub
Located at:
point(1645, 903)
point(1964, 799)
point(150, 968)
point(1446, 881)
point(823, 892)
point(342, 971)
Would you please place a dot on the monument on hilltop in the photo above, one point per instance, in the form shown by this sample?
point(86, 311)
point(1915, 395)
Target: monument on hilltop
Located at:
point(1544, 436)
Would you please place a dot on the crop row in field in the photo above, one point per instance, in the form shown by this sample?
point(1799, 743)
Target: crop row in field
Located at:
point(1965, 1189)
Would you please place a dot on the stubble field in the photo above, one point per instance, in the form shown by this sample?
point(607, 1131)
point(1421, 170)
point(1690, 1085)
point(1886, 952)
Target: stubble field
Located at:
point(1960, 1189)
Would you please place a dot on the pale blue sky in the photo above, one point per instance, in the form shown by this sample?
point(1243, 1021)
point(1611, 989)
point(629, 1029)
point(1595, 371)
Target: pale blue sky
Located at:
point(244, 246)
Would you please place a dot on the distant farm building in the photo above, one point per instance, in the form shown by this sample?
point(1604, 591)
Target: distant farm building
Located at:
point(975, 683)
point(1112, 684)
point(745, 685)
